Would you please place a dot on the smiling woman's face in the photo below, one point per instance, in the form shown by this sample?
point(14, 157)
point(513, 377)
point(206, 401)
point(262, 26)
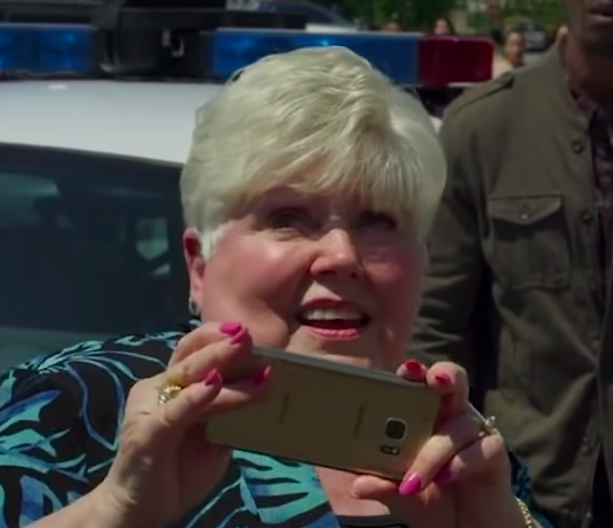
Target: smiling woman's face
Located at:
point(314, 275)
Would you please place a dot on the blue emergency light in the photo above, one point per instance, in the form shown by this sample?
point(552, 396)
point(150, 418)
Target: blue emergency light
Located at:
point(47, 49)
point(395, 55)
point(408, 59)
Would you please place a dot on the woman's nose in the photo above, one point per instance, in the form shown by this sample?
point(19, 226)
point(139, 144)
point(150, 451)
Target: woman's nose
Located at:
point(337, 254)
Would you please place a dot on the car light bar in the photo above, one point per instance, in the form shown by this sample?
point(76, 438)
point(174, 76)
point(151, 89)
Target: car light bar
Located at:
point(393, 54)
point(408, 59)
point(47, 49)
point(451, 60)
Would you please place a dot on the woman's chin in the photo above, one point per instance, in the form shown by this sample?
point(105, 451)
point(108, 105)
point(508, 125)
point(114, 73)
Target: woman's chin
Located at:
point(348, 348)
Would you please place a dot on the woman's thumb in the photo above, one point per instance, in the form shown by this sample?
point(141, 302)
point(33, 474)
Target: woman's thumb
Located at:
point(372, 488)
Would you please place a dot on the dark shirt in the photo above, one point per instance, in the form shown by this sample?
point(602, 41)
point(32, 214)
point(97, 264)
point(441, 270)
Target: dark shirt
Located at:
point(60, 418)
point(600, 130)
point(601, 135)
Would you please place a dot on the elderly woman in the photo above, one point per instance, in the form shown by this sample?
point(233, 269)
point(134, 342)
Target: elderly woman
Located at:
point(308, 193)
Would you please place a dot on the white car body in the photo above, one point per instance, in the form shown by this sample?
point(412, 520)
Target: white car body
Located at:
point(141, 119)
point(325, 28)
point(147, 120)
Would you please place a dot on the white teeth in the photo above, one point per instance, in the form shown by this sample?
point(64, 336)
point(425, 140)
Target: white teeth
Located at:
point(329, 314)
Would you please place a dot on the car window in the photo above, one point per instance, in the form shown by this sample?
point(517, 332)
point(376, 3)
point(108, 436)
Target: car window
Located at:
point(314, 14)
point(88, 249)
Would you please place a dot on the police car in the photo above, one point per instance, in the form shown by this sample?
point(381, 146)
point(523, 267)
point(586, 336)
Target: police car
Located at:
point(96, 116)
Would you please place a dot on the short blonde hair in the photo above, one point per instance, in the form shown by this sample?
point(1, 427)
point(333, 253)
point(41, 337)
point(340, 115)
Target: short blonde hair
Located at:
point(324, 113)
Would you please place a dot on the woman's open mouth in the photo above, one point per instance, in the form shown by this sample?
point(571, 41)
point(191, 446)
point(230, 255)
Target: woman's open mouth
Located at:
point(334, 319)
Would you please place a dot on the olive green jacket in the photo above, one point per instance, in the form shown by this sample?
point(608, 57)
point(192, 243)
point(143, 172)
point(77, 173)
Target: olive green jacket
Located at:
point(515, 290)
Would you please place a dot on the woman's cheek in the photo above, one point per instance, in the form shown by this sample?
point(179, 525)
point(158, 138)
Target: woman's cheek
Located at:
point(399, 274)
point(398, 287)
point(273, 267)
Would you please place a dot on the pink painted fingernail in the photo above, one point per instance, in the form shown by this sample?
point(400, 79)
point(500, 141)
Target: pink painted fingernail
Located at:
point(443, 379)
point(415, 368)
point(443, 476)
point(410, 486)
point(212, 378)
point(263, 376)
point(230, 329)
point(239, 337)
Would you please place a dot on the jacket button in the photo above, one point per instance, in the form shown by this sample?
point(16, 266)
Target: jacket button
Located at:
point(586, 445)
point(524, 211)
point(578, 146)
point(586, 217)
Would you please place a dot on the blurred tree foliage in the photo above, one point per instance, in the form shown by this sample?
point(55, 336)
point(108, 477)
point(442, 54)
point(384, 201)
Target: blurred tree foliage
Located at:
point(411, 14)
point(545, 13)
point(420, 14)
point(548, 13)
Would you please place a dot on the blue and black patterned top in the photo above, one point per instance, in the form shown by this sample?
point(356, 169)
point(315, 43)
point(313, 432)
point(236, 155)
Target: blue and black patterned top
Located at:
point(59, 423)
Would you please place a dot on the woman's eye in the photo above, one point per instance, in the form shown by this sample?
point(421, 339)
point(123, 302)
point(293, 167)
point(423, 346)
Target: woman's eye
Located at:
point(378, 220)
point(288, 219)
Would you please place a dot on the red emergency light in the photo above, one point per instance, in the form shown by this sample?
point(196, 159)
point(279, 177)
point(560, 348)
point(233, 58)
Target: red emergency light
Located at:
point(445, 61)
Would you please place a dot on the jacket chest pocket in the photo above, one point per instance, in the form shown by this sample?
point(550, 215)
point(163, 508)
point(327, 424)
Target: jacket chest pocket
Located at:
point(530, 242)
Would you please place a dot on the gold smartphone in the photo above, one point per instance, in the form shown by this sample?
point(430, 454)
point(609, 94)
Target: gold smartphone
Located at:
point(331, 415)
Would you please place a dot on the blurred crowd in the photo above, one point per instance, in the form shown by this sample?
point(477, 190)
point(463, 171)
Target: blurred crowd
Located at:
point(510, 43)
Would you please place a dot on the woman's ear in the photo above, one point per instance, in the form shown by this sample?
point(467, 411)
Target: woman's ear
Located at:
point(195, 262)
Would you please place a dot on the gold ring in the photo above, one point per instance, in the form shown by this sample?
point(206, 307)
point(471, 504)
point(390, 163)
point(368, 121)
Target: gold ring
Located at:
point(168, 392)
point(487, 425)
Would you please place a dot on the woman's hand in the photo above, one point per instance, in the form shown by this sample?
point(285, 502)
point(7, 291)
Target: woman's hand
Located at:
point(164, 465)
point(461, 477)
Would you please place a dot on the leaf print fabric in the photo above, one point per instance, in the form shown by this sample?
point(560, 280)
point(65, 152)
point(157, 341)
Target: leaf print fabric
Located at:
point(60, 417)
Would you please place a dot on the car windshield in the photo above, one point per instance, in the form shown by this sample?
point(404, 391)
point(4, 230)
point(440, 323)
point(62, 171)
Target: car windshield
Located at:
point(89, 248)
point(313, 13)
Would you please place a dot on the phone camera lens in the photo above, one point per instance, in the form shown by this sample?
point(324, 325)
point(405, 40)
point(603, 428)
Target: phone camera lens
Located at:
point(395, 429)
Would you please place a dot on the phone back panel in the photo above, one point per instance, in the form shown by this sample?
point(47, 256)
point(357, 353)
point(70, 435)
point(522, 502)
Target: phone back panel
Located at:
point(334, 416)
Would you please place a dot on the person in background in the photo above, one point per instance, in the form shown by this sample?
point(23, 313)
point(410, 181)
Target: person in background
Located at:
point(519, 287)
point(307, 204)
point(511, 54)
point(443, 27)
point(393, 26)
point(560, 32)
